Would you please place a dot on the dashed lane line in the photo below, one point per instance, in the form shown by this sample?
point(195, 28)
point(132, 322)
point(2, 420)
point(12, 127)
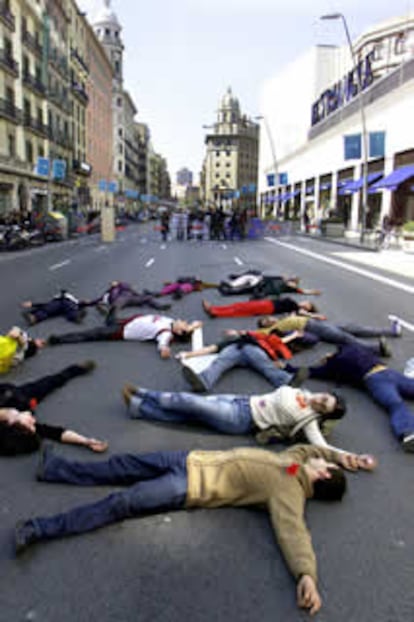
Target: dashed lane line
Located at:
point(334, 262)
point(149, 262)
point(238, 261)
point(56, 266)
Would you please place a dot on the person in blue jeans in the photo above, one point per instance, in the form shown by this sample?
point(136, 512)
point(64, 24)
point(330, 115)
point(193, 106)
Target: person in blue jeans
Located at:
point(359, 366)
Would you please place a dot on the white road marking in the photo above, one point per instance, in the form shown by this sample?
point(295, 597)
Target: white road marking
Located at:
point(56, 266)
point(238, 261)
point(100, 249)
point(163, 247)
point(149, 262)
point(340, 264)
point(224, 247)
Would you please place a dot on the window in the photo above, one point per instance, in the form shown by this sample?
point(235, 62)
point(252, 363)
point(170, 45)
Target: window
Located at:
point(107, 32)
point(120, 149)
point(26, 65)
point(29, 151)
point(41, 152)
point(119, 102)
point(27, 109)
point(217, 175)
point(12, 145)
point(218, 154)
point(228, 152)
point(117, 67)
point(379, 50)
point(120, 166)
point(217, 163)
point(120, 132)
point(399, 46)
point(9, 96)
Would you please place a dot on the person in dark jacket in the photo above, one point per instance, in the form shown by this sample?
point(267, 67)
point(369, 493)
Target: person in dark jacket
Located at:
point(20, 432)
point(63, 304)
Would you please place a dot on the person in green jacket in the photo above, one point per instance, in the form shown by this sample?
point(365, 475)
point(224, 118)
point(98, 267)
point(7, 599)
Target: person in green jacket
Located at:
point(176, 480)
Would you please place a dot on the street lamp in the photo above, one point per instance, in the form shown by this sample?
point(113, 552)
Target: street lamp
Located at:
point(273, 152)
point(332, 16)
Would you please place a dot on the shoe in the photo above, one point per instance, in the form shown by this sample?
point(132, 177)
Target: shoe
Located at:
point(45, 453)
point(52, 340)
point(162, 307)
point(207, 307)
point(395, 326)
point(24, 536)
point(299, 377)
point(29, 317)
point(87, 366)
point(384, 348)
point(80, 316)
point(128, 392)
point(194, 379)
point(408, 443)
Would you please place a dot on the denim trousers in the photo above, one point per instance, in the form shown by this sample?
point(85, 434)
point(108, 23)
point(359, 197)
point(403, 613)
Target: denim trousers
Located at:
point(389, 388)
point(155, 482)
point(229, 414)
point(346, 333)
point(246, 355)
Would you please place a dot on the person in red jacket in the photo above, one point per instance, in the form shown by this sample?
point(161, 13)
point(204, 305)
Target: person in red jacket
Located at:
point(265, 306)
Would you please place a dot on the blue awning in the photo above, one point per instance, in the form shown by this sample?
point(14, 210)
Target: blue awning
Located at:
point(343, 186)
point(394, 179)
point(353, 185)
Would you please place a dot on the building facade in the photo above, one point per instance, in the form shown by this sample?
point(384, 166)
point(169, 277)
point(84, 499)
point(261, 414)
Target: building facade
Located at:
point(336, 108)
point(99, 121)
point(231, 162)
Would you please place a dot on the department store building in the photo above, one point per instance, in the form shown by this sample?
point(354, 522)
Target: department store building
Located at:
point(312, 157)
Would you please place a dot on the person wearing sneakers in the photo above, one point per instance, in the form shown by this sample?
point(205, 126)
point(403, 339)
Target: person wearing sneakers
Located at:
point(20, 433)
point(165, 481)
point(157, 328)
point(332, 333)
point(357, 365)
point(265, 306)
point(63, 304)
point(280, 415)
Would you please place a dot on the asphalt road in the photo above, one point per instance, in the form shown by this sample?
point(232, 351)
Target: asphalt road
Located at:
point(200, 565)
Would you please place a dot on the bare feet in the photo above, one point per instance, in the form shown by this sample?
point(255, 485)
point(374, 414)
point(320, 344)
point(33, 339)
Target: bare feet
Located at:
point(97, 446)
point(27, 304)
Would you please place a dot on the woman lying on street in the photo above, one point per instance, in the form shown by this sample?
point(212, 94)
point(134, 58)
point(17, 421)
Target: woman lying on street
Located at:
point(20, 433)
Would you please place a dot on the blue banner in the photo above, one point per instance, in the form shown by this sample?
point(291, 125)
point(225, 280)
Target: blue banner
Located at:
point(377, 144)
point(103, 185)
point(112, 187)
point(270, 179)
point(352, 147)
point(283, 179)
point(43, 166)
point(252, 187)
point(59, 169)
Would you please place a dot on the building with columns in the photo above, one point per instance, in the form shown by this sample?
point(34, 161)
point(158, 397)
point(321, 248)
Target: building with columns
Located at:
point(315, 109)
point(230, 169)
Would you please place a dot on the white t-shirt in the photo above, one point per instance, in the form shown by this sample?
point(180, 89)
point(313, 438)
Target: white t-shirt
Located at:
point(150, 327)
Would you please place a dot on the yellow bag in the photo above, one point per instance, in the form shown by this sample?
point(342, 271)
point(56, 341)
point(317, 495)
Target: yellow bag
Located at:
point(8, 347)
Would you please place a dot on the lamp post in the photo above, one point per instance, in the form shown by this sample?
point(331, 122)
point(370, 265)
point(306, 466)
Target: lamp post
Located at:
point(336, 16)
point(273, 152)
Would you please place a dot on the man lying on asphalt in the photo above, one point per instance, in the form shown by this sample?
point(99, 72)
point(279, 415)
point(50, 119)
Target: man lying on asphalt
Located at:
point(177, 480)
point(157, 328)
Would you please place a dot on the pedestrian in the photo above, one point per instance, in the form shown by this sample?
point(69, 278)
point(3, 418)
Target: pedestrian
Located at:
point(332, 333)
point(20, 432)
point(266, 306)
point(359, 366)
point(182, 286)
point(63, 304)
point(165, 481)
point(15, 347)
point(249, 349)
point(165, 225)
point(157, 328)
point(285, 414)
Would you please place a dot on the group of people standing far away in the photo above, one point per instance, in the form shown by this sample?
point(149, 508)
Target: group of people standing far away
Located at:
point(164, 481)
point(213, 224)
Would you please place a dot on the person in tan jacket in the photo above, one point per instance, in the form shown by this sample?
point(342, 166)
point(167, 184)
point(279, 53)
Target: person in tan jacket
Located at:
point(165, 481)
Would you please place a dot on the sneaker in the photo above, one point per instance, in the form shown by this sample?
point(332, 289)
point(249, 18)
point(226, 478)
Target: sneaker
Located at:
point(408, 443)
point(29, 317)
point(24, 536)
point(384, 348)
point(88, 366)
point(299, 377)
point(395, 326)
point(128, 392)
point(194, 379)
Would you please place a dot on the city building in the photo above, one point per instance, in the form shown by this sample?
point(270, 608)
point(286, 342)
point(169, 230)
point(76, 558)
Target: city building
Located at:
point(231, 163)
point(321, 110)
point(159, 178)
point(143, 134)
point(184, 177)
point(99, 121)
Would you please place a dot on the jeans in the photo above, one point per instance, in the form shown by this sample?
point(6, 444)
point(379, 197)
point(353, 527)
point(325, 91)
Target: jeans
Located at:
point(229, 414)
point(156, 482)
point(388, 388)
point(246, 355)
point(331, 333)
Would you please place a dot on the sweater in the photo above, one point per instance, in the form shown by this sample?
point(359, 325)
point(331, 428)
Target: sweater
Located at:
point(256, 477)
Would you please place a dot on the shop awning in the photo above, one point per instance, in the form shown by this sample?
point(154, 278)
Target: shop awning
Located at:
point(394, 179)
point(353, 185)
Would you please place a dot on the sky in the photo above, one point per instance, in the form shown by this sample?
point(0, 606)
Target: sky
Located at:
point(181, 55)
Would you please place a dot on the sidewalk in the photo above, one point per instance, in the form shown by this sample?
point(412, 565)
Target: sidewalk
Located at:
point(393, 260)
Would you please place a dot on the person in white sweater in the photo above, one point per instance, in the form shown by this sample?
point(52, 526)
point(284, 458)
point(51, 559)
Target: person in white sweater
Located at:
point(283, 414)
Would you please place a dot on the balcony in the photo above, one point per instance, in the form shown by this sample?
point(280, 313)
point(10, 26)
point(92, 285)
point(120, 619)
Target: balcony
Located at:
point(34, 84)
point(9, 111)
point(8, 63)
point(35, 125)
point(80, 93)
point(59, 138)
point(7, 17)
point(59, 63)
point(31, 42)
point(76, 56)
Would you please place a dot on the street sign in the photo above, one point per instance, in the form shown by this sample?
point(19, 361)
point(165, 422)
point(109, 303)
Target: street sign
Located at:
point(352, 147)
point(283, 179)
point(102, 185)
point(42, 167)
point(112, 187)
